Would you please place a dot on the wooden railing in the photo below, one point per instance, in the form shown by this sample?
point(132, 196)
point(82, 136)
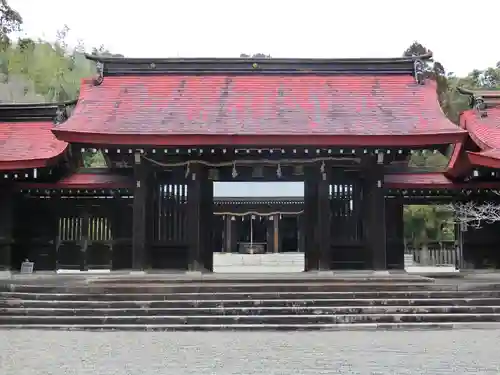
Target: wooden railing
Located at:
point(435, 254)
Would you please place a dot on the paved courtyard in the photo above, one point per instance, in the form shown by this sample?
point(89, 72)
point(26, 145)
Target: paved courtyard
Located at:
point(120, 353)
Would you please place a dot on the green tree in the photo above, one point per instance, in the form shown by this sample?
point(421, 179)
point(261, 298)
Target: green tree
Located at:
point(10, 21)
point(427, 223)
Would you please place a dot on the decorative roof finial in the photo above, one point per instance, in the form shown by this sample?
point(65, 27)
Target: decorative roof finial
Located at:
point(100, 73)
point(419, 71)
point(61, 115)
point(480, 106)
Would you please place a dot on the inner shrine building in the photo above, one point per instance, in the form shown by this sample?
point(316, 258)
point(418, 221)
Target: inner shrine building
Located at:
point(171, 128)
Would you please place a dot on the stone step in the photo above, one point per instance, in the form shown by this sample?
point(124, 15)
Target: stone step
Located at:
point(249, 319)
point(235, 303)
point(251, 295)
point(166, 288)
point(261, 278)
point(249, 311)
point(259, 327)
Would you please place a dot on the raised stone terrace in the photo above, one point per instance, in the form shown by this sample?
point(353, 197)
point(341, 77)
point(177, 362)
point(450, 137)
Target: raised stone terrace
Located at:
point(196, 301)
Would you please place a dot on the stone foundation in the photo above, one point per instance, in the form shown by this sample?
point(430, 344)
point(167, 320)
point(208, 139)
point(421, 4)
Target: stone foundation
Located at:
point(156, 302)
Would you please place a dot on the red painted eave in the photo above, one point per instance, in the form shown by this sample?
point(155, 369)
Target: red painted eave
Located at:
point(26, 145)
point(261, 140)
point(435, 180)
point(489, 158)
point(84, 180)
point(12, 165)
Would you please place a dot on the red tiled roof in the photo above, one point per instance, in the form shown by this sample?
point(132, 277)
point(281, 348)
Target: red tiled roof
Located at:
point(264, 109)
point(85, 180)
point(435, 180)
point(28, 145)
point(483, 125)
point(485, 131)
point(417, 180)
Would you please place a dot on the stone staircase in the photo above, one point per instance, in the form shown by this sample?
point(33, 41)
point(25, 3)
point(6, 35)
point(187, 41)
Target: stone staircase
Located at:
point(252, 304)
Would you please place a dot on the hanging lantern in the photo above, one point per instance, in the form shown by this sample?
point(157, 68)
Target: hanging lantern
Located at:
point(258, 171)
point(279, 173)
point(380, 158)
point(234, 172)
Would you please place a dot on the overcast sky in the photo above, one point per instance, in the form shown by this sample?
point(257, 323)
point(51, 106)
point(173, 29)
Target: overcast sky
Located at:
point(312, 28)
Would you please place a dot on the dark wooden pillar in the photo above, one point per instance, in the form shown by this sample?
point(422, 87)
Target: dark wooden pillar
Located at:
point(139, 225)
point(277, 235)
point(227, 233)
point(231, 234)
point(84, 241)
point(374, 201)
point(316, 220)
point(121, 217)
point(270, 234)
point(151, 221)
point(300, 234)
point(323, 222)
point(207, 227)
point(6, 227)
point(195, 217)
point(310, 218)
point(395, 232)
point(235, 228)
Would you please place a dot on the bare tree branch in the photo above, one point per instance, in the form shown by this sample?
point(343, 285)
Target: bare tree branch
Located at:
point(474, 214)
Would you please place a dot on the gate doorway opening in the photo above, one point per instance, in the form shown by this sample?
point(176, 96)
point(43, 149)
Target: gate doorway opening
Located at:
point(261, 228)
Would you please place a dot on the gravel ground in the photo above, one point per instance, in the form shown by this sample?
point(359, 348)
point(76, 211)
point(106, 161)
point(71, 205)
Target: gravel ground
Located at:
point(264, 353)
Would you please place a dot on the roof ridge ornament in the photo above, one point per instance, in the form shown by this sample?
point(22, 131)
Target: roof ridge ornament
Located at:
point(61, 115)
point(99, 78)
point(480, 106)
point(419, 71)
point(476, 100)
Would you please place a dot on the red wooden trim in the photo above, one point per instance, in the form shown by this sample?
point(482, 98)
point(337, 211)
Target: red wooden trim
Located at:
point(482, 185)
point(459, 164)
point(261, 140)
point(8, 165)
point(476, 158)
point(89, 186)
